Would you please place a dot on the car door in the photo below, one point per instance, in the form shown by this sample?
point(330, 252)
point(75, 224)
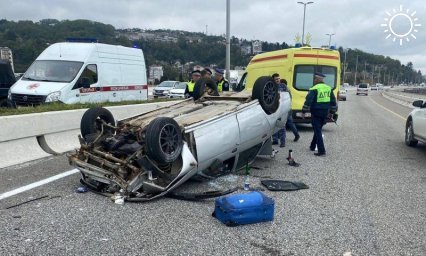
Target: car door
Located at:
point(254, 126)
point(217, 139)
point(419, 122)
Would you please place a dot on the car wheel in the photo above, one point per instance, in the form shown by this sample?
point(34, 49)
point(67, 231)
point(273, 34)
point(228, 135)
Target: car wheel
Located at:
point(266, 91)
point(163, 140)
point(91, 122)
point(7, 104)
point(409, 135)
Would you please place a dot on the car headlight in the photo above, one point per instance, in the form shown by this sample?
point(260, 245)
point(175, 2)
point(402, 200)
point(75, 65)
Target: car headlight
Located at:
point(166, 92)
point(9, 95)
point(54, 96)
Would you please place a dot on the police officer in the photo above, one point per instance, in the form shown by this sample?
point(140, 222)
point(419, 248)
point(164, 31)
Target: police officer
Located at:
point(222, 83)
point(195, 75)
point(319, 101)
point(211, 86)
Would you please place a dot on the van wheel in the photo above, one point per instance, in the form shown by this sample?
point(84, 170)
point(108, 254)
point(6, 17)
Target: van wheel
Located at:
point(266, 91)
point(200, 88)
point(409, 135)
point(7, 104)
point(91, 121)
point(163, 140)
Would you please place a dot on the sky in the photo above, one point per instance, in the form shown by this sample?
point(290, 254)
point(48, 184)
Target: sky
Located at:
point(368, 25)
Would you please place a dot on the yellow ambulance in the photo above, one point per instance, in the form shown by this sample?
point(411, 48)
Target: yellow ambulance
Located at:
point(297, 66)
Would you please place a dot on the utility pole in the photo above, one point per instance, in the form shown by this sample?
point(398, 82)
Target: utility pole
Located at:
point(228, 39)
point(344, 66)
point(304, 14)
point(206, 29)
point(365, 69)
point(356, 69)
point(329, 39)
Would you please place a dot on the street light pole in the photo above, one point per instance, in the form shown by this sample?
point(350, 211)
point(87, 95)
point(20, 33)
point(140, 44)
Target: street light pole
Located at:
point(344, 66)
point(329, 39)
point(228, 39)
point(304, 14)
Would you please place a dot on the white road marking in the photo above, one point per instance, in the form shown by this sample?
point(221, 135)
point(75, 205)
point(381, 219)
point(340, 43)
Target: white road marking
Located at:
point(385, 108)
point(37, 184)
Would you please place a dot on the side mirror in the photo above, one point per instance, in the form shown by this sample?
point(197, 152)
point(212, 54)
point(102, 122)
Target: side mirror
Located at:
point(418, 103)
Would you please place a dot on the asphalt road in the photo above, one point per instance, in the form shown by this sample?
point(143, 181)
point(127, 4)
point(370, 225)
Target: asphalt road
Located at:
point(366, 197)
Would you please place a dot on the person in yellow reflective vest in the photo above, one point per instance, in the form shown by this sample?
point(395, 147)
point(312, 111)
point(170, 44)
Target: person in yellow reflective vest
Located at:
point(222, 83)
point(195, 75)
point(319, 101)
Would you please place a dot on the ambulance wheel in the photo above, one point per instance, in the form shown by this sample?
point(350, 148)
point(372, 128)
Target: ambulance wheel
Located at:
point(91, 122)
point(266, 92)
point(7, 104)
point(163, 140)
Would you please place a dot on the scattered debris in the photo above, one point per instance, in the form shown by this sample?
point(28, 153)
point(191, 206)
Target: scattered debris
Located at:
point(81, 189)
point(291, 160)
point(31, 200)
point(283, 185)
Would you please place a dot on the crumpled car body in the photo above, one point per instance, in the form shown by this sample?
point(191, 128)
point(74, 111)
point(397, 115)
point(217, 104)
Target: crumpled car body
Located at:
point(146, 156)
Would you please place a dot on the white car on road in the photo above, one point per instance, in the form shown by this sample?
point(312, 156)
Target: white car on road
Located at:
point(146, 156)
point(415, 128)
point(178, 91)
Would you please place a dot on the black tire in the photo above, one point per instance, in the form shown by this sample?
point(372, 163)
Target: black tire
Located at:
point(409, 135)
point(90, 122)
point(163, 140)
point(5, 103)
point(266, 91)
point(200, 88)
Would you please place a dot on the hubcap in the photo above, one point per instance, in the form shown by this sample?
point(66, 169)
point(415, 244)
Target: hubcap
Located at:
point(269, 93)
point(169, 139)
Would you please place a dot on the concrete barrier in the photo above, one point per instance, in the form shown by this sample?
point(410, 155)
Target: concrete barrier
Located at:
point(34, 136)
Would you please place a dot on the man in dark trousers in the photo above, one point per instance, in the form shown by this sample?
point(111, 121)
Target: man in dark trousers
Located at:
point(319, 101)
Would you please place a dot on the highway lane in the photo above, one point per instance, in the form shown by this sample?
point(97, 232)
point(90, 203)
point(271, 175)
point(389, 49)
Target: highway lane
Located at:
point(367, 196)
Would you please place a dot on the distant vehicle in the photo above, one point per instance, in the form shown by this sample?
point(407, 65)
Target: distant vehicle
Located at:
point(415, 126)
point(362, 89)
point(163, 88)
point(342, 94)
point(83, 73)
point(179, 91)
point(374, 87)
point(7, 79)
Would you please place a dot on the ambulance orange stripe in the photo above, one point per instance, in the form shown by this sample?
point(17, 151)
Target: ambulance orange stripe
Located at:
point(315, 56)
point(270, 58)
point(114, 88)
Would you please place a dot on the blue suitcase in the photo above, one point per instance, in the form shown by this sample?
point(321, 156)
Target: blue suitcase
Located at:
point(243, 209)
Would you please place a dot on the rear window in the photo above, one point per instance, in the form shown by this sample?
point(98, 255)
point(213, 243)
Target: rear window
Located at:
point(304, 76)
point(362, 86)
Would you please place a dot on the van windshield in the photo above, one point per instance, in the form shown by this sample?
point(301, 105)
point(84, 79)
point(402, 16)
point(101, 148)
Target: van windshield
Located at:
point(53, 71)
point(362, 86)
point(304, 76)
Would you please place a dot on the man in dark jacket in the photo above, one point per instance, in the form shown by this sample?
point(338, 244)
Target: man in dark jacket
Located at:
point(319, 101)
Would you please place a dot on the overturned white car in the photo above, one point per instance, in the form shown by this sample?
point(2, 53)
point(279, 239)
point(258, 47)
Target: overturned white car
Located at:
point(147, 156)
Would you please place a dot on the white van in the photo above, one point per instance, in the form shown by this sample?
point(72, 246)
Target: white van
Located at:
point(83, 73)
